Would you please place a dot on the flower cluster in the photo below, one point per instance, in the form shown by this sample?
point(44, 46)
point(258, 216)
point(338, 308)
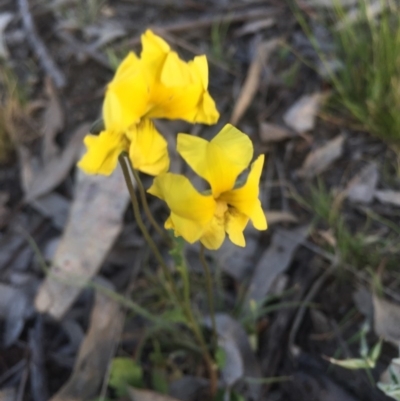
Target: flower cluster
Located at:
point(156, 85)
point(160, 85)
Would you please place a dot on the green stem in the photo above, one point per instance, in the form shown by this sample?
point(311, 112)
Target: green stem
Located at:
point(138, 217)
point(145, 205)
point(210, 295)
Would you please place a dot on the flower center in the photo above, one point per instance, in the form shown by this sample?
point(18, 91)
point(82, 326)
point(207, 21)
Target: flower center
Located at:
point(220, 209)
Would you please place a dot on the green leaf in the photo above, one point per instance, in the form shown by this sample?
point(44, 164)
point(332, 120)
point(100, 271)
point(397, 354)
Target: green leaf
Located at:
point(125, 372)
point(376, 352)
point(159, 381)
point(352, 363)
point(174, 316)
point(220, 358)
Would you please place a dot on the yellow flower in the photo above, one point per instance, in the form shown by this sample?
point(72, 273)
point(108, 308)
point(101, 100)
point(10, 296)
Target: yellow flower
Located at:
point(157, 85)
point(228, 208)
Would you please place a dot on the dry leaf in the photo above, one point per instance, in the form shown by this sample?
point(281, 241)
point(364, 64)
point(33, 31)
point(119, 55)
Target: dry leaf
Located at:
point(54, 206)
point(147, 395)
point(388, 196)
point(95, 353)
point(302, 114)
point(240, 359)
point(254, 26)
point(318, 160)
point(5, 19)
point(274, 133)
point(251, 83)
point(362, 187)
point(387, 319)
point(94, 223)
point(55, 171)
point(53, 123)
point(274, 261)
point(277, 216)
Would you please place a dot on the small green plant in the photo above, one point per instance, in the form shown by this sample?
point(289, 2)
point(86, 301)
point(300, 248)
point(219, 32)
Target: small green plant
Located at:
point(367, 48)
point(368, 85)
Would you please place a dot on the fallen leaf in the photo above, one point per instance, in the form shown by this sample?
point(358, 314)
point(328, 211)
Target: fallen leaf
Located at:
point(8, 394)
point(147, 395)
point(240, 359)
point(302, 114)
point(277, 216)
point(5, 19)
point(363, 300)
point(274, 261)
point(362, 187)
point(15, 307)
point(190, 388)
point(95, 221)
point(390, 380)
point(235, 261)
point(254, 26)
point(55, 170)
point(387, 319)
point(53, 123)
point(318, 160)
point(388, 196)
point(274, 133)
point(251, 83)
point(96, 351)
point(54, 206)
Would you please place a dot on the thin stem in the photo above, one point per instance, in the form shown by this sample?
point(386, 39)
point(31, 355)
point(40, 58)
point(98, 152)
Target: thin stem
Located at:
point(145, 205)
point(211, 366)
point(210, 294)
point(138, 217)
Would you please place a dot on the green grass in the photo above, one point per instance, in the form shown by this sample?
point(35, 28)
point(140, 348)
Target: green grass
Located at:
point(356, 246)
point(367, 86)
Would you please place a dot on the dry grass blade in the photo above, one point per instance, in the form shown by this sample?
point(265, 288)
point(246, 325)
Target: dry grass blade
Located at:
point(278, 216)
point(251, 83)
point(96, 351)
point(94, 223)
point(53, 122)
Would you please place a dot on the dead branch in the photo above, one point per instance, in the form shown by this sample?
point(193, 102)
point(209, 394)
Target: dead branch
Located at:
point(39, 47)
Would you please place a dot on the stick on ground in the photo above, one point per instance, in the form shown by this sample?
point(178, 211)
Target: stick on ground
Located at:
point(38, 46)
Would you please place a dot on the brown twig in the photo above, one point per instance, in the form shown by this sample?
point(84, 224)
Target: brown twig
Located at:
point(39, 47)
point(207, 21)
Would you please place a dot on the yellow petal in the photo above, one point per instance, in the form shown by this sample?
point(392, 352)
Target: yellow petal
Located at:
point(126, 100)
point(176, 102)
point(199, 68)
point(102, 152)
point(235, 224)
point(175, 72)
point(219, 161)
point(129, 65)
point(214, 234)
point(191, 212)
point(148, 150)
point(154, 52)
point(245, 199)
